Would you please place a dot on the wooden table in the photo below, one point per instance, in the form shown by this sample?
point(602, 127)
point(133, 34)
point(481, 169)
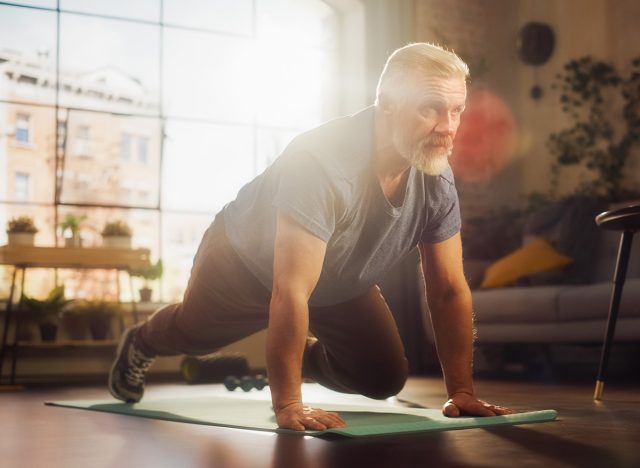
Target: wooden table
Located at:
point(23, 257)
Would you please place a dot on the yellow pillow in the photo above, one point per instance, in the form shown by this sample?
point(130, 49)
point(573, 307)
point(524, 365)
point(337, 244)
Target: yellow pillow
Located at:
point(534, 257)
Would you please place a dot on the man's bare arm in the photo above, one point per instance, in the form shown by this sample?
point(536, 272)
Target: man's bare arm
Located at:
point(451, 314)
point(298, 258)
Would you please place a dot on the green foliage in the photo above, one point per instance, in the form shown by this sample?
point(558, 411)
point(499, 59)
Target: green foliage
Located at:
point(72, 223)
point(22, 224)
point(116, 228)
point(49, 309)
point(588, 88)
point(152, 272)
point(97, 308)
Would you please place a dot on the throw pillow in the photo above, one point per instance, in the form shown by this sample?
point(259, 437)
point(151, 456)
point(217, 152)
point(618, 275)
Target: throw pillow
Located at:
point(534, 257)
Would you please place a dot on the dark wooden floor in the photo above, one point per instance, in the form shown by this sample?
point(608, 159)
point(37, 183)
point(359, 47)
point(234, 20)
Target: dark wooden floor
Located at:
point(586, 434)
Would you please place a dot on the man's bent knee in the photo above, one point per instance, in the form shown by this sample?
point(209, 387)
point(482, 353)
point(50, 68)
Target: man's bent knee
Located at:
point(383, 385)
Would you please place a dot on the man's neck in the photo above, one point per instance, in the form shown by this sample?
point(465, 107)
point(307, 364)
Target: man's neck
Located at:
point(392, 170)
point(388, 163)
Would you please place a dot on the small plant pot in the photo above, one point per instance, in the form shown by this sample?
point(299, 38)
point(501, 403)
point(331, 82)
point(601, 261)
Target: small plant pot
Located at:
point(28, 329)
point(145, 294)
point(116, 242)
point(75, 326)
point(73, 242)
point(100, 327)
point(48, 331)
point(21, 238)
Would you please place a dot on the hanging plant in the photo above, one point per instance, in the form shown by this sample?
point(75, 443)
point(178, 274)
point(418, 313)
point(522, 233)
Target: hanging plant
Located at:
point(589, 90)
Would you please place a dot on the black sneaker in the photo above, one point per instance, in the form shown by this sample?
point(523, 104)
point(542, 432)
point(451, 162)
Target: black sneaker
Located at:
point(126, 378)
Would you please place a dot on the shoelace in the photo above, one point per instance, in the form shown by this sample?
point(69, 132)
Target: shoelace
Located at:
point(139, 365)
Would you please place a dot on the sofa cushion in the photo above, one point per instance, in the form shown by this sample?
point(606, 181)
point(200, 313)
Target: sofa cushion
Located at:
point(474, 271)
point(607, 253)
point(519, 305)
point(534, 257)
point(587, 331)
point(569, 225)
point(592, 301)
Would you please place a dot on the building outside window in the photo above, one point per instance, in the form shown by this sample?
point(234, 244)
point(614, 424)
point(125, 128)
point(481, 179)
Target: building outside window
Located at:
point(125, 147)
point(83, 141)
point(21, 186)
point(23, 128)
point(83, 133)
point(143, 148)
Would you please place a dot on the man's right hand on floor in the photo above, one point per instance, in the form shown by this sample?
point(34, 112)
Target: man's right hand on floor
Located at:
point(298, 417)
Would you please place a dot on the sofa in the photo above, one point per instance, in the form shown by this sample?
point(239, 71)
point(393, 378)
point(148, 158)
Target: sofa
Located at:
point(568, 305)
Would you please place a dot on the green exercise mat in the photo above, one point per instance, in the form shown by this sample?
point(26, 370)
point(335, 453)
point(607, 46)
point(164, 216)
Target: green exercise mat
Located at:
point(256, 414)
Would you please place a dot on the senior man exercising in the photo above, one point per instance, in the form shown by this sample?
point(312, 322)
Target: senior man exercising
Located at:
point(304, 244)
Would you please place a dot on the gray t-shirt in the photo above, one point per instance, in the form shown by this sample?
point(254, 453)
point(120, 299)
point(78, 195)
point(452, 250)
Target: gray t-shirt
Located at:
point(325, 181)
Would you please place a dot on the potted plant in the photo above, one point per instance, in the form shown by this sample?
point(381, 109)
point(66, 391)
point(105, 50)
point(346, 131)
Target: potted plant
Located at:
point(29, 329)
point(100, 315)
point(75, 322)
point(70, 227)
point(151, 273)
point(117, 235)
point(21, 231)
point(48, 311)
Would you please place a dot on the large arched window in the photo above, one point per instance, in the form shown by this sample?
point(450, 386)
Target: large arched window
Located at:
point(154, 111)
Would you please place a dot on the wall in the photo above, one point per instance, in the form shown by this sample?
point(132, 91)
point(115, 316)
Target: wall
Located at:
point(485, 34)
point(584, 27)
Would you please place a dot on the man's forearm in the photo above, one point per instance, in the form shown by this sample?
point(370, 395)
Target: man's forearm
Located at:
point(286, 337)
point(452, 320)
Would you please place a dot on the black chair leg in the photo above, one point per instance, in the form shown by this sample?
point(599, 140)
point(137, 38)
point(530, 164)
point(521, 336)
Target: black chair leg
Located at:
point(618, 283)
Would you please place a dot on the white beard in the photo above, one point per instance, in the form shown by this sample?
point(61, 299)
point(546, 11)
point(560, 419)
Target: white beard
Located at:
point(432, 161)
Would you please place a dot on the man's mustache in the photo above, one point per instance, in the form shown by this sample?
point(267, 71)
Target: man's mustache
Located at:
point(439, 141)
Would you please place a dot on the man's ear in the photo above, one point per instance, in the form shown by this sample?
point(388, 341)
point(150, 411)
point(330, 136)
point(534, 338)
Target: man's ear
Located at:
point(386, 104)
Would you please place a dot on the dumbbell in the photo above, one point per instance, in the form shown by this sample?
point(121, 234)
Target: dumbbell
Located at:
point(246, 383)
point(213, 368)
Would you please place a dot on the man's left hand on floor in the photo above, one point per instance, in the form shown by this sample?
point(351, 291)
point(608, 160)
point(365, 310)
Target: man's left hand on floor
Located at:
point(464, 404)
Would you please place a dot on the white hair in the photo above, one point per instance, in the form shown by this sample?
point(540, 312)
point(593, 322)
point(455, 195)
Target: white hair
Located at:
point(420, 58)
